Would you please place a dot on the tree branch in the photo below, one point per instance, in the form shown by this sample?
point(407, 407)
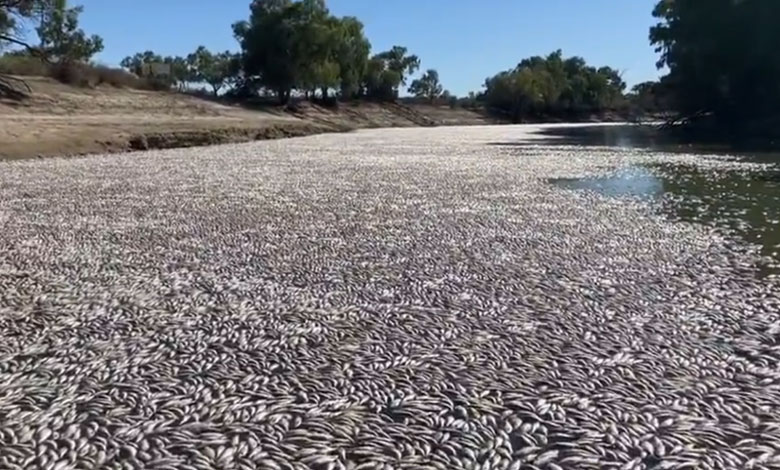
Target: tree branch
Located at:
point(31, 49)
point(18, 42)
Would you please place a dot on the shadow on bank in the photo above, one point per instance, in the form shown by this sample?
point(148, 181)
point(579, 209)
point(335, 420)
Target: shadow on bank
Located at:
point(652, 136)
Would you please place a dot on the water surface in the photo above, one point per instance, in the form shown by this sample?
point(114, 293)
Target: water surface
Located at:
point(744, 203)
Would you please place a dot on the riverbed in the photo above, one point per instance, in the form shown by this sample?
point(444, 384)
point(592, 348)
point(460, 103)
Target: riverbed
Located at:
point(449, 298)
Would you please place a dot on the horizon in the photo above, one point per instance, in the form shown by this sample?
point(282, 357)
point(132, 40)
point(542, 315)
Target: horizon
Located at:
point(485, 44)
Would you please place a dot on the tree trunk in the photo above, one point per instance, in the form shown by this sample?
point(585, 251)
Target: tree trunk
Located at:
point(324, 93)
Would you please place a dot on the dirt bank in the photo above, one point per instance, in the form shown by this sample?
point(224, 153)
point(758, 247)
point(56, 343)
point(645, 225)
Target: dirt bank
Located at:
point(62, 120)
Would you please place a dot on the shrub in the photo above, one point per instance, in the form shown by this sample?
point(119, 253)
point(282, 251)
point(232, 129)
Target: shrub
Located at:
point(155, 83)
point(118, 78)
point(76, 73)
point(11, 64)
point(73, 74)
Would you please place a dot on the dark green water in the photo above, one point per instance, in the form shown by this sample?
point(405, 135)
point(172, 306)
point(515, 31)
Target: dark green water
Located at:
point(744, 203)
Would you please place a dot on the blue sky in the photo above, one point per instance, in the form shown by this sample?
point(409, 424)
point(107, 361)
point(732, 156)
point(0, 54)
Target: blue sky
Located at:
point(466, 40)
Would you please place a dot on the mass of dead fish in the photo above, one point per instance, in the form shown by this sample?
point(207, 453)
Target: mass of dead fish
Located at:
point(387, 299)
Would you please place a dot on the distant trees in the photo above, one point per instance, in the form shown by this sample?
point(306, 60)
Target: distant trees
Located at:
point(724, 60)
point(215, 69)
point(180, 69)
point(428, 86)
point(650, 97)
point(218, 70)
point(299, 46)
point(287, 46)
point(388, 71)
point(553, 86)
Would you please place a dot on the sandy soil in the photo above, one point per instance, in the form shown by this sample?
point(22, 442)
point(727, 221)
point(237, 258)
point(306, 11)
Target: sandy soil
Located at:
point(61, 120)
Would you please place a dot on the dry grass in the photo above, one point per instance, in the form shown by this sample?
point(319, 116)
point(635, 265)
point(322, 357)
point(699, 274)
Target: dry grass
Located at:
point(76, 74)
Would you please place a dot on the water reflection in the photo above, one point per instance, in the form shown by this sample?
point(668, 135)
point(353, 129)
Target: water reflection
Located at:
point(744, 203)
point(635, 182)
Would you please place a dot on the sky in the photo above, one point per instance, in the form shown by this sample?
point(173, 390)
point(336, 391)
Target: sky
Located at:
point(465, 40)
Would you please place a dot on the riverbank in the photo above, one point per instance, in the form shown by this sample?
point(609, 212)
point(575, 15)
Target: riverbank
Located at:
point(61, 120)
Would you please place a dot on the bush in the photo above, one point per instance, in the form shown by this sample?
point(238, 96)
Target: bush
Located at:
point(73, 74)
point(88, 75)
point(22, 65)
point(77, 73)
point(155, 84)
point(118, 78)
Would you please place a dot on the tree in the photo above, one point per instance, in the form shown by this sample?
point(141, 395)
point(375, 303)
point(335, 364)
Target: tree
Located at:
point(651, 97)
point(387, 71)
point(180, 70)
point(428, 86)
point(214, 69)
point(351, 55)
point(61, 38)
point(317, 38)
point(299, 45)
point(290, 45)
point(723, 59)
point(136, 63)
point(397, 61)
point(12, 12)
point(553, 86)
point(268, 43)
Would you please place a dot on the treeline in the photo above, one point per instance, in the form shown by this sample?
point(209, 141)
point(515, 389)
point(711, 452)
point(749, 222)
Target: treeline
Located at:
point(298, 48)
point(554, 86)
point(287, 48)
point(722, 55)
point(723, 58)
point(217, 70)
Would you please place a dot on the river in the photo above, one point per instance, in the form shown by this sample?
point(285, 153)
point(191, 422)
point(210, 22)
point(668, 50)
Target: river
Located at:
point(744, 204)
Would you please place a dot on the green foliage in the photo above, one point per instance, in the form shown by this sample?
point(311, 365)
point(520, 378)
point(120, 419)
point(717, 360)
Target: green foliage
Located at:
point(723, 59)
point(22, 65)
point(12, 12)
point(650, 97)
point(388, 71)
point(181, 70)
point(214, 69)
point(268, 41)
point(136, 62)
point(74, 73)
point(428, 86)
point(553, 87)
point(299, 45)
point(397, 60)
point(352, 56)
point(61, 39)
